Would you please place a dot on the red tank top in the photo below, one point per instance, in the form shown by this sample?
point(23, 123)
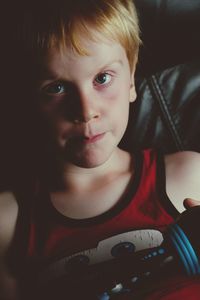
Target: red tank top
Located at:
point(144, 209)
point(145, 205)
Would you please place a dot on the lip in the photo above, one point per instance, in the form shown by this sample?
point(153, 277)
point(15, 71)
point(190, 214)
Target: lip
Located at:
point(94, 138)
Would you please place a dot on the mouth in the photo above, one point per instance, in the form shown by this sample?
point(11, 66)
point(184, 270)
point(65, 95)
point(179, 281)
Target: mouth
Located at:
point(93, 139)
point(82, 139)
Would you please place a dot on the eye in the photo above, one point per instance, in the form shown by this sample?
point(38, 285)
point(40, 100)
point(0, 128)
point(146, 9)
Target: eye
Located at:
point(103, 78)
point(55, 89)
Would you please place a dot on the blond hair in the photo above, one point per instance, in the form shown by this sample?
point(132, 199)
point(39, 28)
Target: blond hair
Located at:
point(61, 24)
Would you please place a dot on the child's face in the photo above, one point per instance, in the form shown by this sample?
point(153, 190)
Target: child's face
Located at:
point(86, 101)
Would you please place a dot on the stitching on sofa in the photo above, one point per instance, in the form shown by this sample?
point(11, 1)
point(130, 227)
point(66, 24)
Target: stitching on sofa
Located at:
point(165, 111)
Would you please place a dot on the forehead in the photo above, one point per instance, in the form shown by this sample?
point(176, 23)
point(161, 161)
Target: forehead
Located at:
point(99, 54)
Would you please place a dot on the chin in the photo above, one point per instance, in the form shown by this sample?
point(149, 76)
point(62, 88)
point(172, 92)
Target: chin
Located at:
point(91, 156)
point(89, 164)
point(91, 160)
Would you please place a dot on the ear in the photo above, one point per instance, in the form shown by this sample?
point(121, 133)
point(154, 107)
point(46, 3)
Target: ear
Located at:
point(133, 94)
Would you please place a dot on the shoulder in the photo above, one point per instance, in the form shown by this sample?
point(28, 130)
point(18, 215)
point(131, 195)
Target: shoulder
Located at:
point(182, 177)
point(8, 219)
point(181, 162)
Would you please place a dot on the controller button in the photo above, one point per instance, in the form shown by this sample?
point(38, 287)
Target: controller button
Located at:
point(122, 249)
point(116, 289)
point(161, 251)
point(77, 262)
point(134, 279)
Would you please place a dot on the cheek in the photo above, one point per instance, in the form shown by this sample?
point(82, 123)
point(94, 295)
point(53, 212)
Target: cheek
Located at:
point(118, 99)
point(52, 121)
point(119, 91)
point(48, 110)
point(61, 128)
point(118, 102)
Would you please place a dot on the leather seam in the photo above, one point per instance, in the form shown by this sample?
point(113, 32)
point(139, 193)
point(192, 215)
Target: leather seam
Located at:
point(165, 111)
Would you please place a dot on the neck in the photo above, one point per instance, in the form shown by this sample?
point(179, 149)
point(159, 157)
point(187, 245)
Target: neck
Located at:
point(77, 178)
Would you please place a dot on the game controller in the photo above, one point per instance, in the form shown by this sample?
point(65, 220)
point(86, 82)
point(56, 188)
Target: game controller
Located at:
point(110, 249)
point(128, 262)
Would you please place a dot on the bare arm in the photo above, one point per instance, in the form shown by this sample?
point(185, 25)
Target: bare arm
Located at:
point(182, 177)
point(8, 218)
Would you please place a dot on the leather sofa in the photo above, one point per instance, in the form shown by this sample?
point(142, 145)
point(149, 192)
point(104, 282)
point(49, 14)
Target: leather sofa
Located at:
point(166, 114)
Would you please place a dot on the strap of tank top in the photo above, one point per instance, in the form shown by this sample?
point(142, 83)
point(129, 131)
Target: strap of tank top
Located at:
point(161, 186)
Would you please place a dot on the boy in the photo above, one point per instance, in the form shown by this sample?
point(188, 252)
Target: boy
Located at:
point(80, 61)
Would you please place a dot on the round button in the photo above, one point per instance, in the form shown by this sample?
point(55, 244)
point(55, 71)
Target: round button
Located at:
point(134, 279)
point(118, 288)
point(77, 262)
point(123, 249)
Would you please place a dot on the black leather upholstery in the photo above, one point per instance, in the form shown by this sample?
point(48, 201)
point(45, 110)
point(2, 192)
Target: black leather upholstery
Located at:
point(166, 114)
point(170, 33)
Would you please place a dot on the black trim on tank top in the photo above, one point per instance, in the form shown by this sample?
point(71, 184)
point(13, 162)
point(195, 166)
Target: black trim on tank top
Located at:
point(161, 186)
point(137, 160)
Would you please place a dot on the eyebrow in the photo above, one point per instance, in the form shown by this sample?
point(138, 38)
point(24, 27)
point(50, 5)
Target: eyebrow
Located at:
point(48, 75)
point(119, 61)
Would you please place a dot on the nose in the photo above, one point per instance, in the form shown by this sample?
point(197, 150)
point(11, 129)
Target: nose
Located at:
point(88, 109)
